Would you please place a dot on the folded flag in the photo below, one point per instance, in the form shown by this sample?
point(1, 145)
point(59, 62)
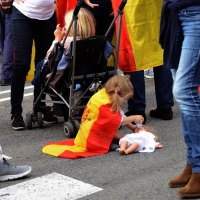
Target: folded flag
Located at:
point(97, 129)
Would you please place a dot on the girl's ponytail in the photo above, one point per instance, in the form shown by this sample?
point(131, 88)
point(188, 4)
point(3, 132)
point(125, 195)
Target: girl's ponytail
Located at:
point(119, 88)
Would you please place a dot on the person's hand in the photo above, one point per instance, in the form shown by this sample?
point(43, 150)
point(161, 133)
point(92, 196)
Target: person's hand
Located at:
point(138, 119)
point(90, 4)
point(17, 1)
point(59, 33)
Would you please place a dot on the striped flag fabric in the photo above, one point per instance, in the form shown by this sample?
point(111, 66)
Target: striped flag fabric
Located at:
point(97, 129)
point(62, 8)
point(139, 42)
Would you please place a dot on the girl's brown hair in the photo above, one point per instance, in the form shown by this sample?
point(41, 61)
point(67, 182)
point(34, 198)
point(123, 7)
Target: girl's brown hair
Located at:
point(119, 88)
point(85, 23)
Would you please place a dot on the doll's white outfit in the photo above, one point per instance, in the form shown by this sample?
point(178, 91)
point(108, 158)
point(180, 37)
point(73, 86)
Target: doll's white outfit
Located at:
point(145, 139)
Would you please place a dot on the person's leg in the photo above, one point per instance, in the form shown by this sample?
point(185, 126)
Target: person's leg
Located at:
point(43, 37)
point(2, 32)
point(186, 82)
point(42, 45)
point(22, 30)
point(118, 136)
point(8, 56)
point(163, 88)
point(137, 104)
point(10, 172)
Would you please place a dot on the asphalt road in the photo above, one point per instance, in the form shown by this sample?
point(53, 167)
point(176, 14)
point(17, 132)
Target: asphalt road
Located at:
point(136, 176)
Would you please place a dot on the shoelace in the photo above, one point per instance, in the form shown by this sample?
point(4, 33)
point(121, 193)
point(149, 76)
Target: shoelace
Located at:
point(5, 162)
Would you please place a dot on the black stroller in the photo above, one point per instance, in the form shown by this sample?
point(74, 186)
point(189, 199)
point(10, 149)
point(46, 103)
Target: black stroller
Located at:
point(87, 71)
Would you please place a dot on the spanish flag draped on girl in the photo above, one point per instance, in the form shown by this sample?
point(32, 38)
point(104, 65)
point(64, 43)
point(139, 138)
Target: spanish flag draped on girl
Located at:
point(97, 129)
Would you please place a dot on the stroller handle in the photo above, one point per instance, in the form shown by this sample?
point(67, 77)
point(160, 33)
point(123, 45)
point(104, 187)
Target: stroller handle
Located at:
point(123, 3)
point(77, 8)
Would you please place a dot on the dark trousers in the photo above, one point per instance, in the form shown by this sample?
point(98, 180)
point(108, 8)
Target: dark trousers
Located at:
point(163, 89)
point(24, 30)
point(6, 46)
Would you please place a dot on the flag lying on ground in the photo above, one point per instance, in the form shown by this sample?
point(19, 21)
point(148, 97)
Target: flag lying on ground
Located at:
point(97, 129)
point(139, 42)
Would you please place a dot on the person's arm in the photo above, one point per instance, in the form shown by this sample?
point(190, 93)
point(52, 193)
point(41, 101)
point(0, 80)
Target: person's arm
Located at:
point(133, 118)
point(59, 34)
point(131, 126)
point(17, 1)
point(90, 4)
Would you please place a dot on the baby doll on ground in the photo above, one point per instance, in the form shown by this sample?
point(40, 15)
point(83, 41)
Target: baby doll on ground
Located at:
point(141, 140)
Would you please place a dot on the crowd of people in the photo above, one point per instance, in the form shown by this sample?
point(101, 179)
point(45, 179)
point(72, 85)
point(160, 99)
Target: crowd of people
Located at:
point(177, 75)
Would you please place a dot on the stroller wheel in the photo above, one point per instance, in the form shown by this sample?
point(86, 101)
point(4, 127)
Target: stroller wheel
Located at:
point(40, 120)
point(68, 130)
point(77, 125)
point(29, 121)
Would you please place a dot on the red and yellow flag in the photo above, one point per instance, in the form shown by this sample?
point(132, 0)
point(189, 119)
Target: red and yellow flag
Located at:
point(97, 129)
point(62, 8)
point(139, 41)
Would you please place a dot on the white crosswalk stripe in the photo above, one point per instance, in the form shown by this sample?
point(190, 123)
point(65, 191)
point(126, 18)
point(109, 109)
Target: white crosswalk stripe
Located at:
point(8, 92)
point(53, 186)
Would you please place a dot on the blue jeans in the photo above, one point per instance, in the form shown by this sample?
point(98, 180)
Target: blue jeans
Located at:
point(24, 30)
point(186, 77)
point(6, 46)
point(163, 89)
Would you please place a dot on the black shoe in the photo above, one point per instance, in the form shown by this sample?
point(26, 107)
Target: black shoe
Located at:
point(165, 114)
point(129, 113)
point(49, 119)
point(113, 147)
point(5, 82)
point(18, 122)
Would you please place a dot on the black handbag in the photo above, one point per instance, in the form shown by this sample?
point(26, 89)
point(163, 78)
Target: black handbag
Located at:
point(6, 6)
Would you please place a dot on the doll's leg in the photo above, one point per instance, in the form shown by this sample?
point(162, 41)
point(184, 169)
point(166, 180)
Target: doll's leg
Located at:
point(123, 146)
point(132, 148)
point(159, 145)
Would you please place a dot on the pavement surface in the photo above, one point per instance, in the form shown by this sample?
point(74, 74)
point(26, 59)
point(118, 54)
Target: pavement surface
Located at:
point(107, 177)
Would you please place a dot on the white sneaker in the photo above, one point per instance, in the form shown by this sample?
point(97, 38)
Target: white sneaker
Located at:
point(10, 172)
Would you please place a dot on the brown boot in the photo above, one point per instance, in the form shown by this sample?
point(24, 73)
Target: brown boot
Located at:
point(192, 189)
point(182, 179)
